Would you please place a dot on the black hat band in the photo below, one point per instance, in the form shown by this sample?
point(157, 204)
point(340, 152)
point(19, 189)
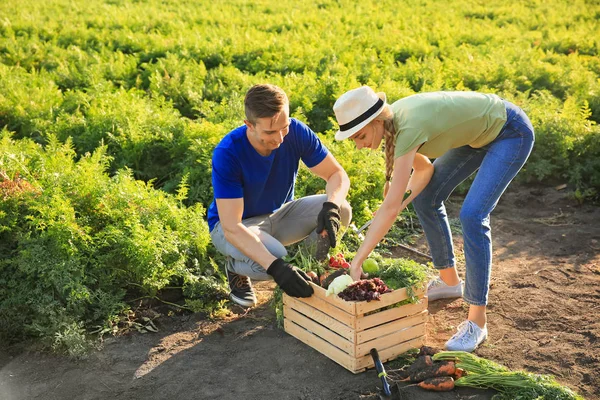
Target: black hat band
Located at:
point(363, 117)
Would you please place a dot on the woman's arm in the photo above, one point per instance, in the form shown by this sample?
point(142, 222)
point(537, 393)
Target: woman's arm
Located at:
point(422, 172)
point(421, 175)
point(392, 204)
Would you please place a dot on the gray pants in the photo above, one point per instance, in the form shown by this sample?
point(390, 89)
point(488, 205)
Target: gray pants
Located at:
point(293, 222)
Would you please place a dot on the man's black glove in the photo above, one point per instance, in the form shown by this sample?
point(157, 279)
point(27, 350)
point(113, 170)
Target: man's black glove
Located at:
point(329, 219)
point(290, 279)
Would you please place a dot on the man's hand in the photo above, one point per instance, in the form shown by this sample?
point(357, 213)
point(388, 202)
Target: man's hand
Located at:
point(329, 220)
point(291, 280)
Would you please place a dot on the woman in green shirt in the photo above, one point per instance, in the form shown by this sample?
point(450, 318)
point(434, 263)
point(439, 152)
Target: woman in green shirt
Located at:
point(464, 132)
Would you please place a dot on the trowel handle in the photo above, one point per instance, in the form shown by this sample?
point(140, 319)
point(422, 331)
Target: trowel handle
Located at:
point(381, 372)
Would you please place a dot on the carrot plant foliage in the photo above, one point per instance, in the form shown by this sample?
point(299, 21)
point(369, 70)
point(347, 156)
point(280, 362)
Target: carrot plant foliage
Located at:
point(107, 106)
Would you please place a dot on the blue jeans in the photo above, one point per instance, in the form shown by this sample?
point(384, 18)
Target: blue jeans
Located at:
point(498, 163)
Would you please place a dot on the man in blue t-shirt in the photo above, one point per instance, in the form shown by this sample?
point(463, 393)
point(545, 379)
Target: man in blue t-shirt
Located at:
point(254, 214)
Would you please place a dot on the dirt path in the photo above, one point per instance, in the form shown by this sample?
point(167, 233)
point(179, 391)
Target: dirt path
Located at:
point(544, 316)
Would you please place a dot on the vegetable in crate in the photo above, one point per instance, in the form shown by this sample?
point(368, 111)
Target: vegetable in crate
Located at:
point(370, 267)
point(400, 272)
point(313, 277)
point(338, 262)
point(322, 278)
point(327, 278)
point(339, 284)
point(365, 290)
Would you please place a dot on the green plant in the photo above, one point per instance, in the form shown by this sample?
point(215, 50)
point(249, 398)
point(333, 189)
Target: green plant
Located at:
point(119, 95)
point(74, 241)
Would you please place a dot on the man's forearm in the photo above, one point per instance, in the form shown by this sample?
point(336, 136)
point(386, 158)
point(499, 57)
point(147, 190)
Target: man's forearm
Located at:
point(337, 187)
point(249, 244)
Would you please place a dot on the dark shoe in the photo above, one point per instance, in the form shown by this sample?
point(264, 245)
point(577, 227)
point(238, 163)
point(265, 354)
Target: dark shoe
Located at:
point(241, 289)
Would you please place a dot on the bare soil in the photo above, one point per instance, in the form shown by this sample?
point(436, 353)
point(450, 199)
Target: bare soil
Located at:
point(543, 317)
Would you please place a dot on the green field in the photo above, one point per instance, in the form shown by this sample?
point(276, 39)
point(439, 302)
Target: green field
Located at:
point(109, 111)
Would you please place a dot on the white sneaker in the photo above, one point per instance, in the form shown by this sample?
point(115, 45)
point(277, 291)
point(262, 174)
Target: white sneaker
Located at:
point(468, 337)
point(437, 289)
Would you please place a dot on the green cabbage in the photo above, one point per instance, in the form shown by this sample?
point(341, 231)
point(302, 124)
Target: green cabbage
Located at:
point(339, 284)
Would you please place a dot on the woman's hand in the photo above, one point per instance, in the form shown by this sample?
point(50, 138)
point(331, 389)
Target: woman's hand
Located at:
point(356, 271)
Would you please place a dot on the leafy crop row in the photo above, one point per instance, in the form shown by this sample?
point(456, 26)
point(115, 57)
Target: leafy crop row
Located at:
point(73, 240)
point(123, 91)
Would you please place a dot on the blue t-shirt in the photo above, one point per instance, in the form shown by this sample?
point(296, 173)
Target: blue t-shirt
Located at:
point(265, 183)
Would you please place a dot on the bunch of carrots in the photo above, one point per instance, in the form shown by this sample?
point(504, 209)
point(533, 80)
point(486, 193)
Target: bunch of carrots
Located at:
point(443, 370)
point(486, 374)
point(429, 374)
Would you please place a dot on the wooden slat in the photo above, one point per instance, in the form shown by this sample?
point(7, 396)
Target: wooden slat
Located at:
point(321, 331)
point(387, 354)
point(392, 314)
point(391, 339)
point(390, 327)
point(325, 307)
point(398, 295)
point(320, 317)
point(319, 344)
point(334, 300)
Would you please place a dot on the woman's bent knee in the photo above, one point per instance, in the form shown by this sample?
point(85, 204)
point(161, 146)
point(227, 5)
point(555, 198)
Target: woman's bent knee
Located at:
point(471, 218)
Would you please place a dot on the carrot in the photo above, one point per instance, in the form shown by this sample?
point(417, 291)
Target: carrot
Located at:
point(459, 373)
point(439, 384)
point(420, 364)
point(444, 368)
point(428, 351)
point(313, 277)
point(322, 278)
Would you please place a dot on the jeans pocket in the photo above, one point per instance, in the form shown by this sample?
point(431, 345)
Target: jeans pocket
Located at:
point(517, 127)
point(523, 125)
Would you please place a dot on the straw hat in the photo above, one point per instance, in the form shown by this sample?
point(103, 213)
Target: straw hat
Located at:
point(355, 109)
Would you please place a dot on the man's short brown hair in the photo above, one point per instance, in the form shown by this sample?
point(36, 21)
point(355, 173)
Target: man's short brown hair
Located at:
point(264, 101)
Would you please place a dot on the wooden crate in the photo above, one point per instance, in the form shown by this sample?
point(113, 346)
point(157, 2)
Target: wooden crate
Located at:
point(342, 331)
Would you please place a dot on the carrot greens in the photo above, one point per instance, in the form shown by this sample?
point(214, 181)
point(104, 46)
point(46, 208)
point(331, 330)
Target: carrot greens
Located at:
point(511, 385)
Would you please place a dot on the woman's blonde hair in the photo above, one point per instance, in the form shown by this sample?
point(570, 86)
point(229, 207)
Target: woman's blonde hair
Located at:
point(389, 134)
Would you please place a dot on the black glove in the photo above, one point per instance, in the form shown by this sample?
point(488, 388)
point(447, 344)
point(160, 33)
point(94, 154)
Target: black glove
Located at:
point(329, 219)
point(290, 279)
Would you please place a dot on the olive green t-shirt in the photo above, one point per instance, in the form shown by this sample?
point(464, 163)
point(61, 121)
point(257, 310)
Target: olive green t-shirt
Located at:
point(440, 121)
